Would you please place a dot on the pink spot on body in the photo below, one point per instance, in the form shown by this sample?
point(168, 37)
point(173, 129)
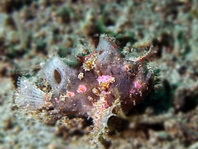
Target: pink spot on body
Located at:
point(105, 79)
point(105, 93)
point(70, 94)
point(105, 105)
point(137, 85)
point(132, 91)
point(57, 100)
point(81, 89)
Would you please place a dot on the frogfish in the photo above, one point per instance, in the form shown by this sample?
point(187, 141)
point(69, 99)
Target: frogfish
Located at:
point(103, 81)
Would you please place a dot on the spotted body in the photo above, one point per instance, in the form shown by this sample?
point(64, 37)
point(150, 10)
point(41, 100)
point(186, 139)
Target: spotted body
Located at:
point(95, 85)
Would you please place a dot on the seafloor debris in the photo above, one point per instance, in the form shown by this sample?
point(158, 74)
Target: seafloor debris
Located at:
point(104, 81)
